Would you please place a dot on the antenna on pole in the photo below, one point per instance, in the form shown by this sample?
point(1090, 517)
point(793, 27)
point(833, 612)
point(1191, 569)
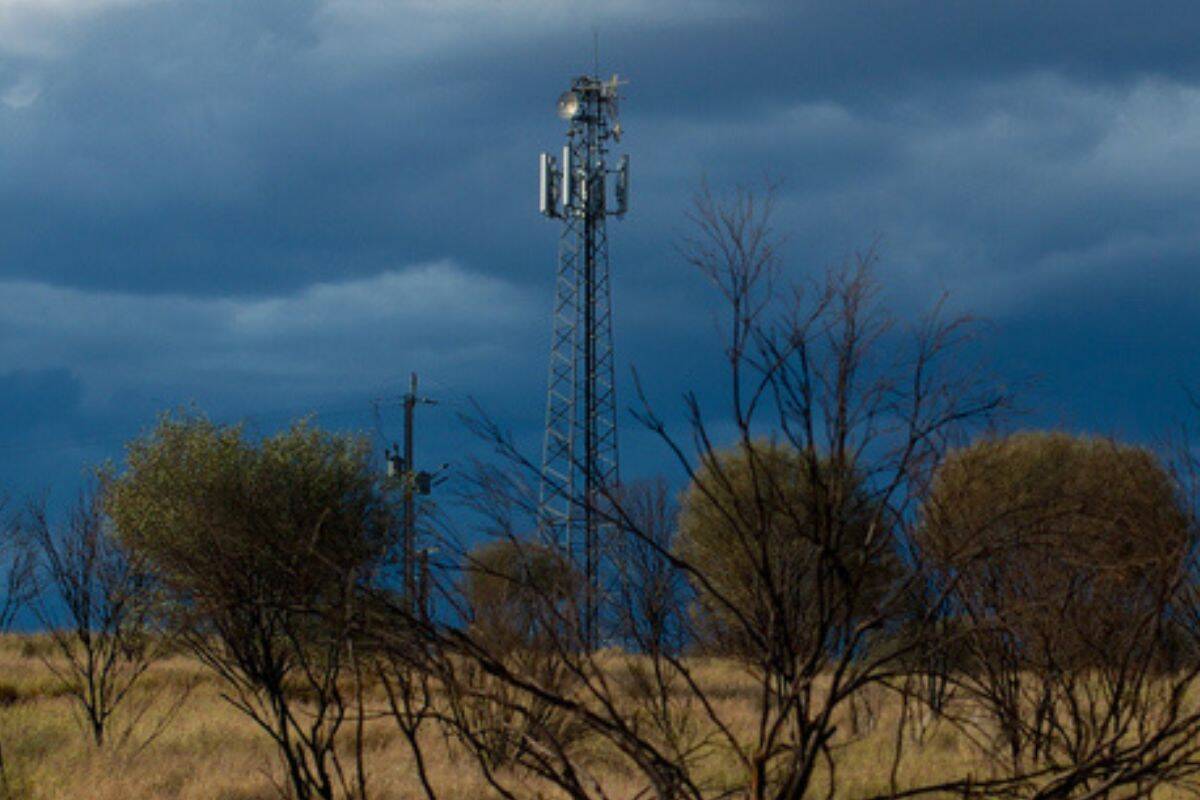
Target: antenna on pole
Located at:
point(579, 452)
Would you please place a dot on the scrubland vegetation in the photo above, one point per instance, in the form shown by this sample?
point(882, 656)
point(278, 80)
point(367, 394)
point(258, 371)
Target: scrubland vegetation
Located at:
point(209, 751)
point(863, 588)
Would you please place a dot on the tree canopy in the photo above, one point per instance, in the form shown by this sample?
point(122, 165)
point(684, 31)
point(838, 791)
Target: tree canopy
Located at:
point(764, 517)
point(516, 591)
point(1063, 542)
point(223, 518)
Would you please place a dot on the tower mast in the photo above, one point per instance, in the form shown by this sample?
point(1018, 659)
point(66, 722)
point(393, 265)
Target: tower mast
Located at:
point(579, 454)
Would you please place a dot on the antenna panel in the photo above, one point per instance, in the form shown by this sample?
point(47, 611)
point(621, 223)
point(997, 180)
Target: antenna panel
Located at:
point(548, 186)
point(623, 186)
point(568, 178)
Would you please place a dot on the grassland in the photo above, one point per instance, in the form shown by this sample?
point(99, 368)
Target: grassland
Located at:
point(209, 751)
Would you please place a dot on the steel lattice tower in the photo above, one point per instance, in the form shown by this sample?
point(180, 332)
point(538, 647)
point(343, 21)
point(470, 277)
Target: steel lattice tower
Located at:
point(579, 455)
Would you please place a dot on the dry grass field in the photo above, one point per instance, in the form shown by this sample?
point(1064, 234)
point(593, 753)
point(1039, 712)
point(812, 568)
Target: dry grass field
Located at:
point(208, 751)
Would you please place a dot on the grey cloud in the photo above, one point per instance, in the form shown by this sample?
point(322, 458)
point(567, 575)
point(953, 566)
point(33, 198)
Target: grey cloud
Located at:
point(239, 147)
point(347, 335)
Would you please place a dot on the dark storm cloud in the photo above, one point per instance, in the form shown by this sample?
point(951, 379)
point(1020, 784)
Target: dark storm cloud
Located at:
point(228, 146)
point(292, 202)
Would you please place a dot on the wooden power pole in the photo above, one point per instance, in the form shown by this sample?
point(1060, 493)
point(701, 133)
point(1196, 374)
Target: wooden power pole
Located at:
point(401, 465)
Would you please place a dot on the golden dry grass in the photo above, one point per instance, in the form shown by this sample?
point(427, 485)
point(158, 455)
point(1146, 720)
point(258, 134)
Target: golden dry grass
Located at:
point(211, 752)
point(208, 751)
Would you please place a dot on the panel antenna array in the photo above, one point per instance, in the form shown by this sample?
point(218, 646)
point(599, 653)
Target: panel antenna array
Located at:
point(579, 455)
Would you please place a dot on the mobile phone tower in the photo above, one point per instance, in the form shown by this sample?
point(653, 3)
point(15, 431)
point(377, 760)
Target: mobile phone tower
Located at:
point(579, 453)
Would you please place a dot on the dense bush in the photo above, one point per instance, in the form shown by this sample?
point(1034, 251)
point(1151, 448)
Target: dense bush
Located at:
point(761, 518)
point(1064, 542)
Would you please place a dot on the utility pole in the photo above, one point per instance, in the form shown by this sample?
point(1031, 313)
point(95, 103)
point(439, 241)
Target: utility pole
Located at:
point(401, 466)
point(410, 510)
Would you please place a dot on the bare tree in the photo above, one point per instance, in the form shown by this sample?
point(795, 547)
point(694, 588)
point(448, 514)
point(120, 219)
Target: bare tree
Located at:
point(842, 419)
point(97, 606)
point(408, 684)
point(867, 409)
point(17, 565)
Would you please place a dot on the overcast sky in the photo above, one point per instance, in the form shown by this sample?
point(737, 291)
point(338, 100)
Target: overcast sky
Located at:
point(272, 207)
